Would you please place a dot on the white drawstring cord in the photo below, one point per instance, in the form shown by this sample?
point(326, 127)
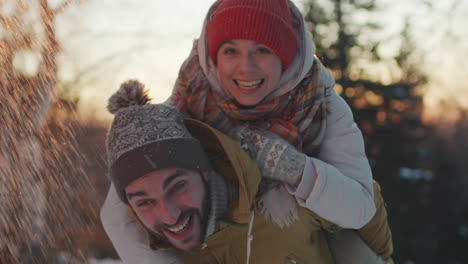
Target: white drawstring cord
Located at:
point(249, 235)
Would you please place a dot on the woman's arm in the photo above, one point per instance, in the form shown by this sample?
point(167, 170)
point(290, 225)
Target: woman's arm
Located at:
point(337, 184)
point(128, 237)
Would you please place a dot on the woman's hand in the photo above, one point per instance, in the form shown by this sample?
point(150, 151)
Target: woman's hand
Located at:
point(275, 157)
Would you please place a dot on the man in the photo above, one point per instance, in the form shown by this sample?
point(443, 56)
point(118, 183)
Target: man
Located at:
point(195, 190)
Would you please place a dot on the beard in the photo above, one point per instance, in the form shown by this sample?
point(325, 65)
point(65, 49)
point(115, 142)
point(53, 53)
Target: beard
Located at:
point(203, 214)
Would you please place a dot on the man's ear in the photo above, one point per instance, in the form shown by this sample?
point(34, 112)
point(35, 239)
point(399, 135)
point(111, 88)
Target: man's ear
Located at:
point(206, 175)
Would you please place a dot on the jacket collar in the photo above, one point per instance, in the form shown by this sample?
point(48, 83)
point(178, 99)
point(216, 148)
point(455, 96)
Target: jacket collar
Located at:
point(231, 162)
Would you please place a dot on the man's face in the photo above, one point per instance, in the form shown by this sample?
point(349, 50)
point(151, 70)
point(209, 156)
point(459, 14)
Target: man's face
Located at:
point(172, 203)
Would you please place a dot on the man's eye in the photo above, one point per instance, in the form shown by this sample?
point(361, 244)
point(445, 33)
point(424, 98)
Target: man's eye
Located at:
point(145, 203)
point(179, 186)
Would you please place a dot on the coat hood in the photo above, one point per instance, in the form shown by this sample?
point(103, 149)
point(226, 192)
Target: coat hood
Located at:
point(290, 78)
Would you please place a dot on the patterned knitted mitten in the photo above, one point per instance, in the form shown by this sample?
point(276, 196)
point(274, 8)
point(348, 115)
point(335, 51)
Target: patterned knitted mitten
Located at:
point(275, 157)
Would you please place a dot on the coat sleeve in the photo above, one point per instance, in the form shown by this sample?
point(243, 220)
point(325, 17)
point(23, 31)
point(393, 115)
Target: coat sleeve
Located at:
point(128, 237)
point(337, 184)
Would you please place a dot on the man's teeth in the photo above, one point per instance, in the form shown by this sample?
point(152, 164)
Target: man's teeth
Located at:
point(249, 84)
point(181, 227)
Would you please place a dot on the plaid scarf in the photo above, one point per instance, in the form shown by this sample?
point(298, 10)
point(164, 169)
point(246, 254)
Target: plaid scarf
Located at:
point(295, 116)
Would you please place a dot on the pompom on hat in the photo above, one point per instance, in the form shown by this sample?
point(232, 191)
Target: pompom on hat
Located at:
point(146, 137)
point(264, 21)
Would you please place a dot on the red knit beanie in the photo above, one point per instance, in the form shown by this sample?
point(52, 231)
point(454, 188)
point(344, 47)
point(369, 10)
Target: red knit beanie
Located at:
point(264, 21)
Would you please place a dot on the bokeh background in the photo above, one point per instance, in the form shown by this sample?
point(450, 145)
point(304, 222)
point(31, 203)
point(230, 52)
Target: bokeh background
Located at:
point(400, 64)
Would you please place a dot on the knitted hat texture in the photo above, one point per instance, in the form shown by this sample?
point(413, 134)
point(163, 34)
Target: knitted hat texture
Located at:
point(264, 21)
point(146, 137)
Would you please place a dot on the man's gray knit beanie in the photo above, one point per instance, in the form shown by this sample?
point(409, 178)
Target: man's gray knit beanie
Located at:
point(146, 137)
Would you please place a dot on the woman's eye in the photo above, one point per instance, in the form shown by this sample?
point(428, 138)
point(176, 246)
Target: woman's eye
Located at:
point(229, 51)
point(264, 50)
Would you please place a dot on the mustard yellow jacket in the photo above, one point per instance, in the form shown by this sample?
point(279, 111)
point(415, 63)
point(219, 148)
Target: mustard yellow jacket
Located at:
point(301, 242)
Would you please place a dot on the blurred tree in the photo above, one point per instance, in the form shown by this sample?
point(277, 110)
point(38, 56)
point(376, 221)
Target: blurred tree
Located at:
point(449, 197)
point(388, 113)
point(338, 36)
point(341, 34)
point(421, 166)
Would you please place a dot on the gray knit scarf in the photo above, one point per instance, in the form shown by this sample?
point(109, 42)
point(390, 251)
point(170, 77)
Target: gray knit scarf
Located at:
point(222, 193)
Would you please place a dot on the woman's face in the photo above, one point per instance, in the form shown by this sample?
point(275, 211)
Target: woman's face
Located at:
point(248, 70)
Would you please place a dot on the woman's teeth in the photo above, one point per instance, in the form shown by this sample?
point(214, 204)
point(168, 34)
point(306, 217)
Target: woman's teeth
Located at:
point(249, 85)
point(181, 227)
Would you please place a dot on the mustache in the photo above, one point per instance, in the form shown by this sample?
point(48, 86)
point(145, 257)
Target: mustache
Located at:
point(185, 214)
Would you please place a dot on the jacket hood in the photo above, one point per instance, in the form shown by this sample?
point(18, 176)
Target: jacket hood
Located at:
point(290, 78)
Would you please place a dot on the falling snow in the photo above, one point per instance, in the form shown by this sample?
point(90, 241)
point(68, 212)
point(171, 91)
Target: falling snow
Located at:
point(39, 165)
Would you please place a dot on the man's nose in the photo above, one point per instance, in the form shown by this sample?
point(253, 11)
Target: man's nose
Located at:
point(169, 213)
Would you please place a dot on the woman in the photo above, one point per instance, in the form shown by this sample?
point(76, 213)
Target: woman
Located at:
point(253, 67)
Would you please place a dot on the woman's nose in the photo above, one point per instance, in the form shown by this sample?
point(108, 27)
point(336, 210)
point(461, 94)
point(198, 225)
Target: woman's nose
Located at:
point(247, 63)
